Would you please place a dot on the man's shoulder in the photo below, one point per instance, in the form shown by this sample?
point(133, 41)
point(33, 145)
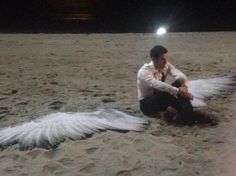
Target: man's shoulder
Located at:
point(147, 66)
point(169, 66)
point(168, 63)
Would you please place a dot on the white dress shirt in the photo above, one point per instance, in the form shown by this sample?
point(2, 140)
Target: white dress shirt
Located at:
point(149, 78)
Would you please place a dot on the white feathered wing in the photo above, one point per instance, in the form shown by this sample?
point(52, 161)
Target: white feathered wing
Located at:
point(51, 130)
point(202, 88)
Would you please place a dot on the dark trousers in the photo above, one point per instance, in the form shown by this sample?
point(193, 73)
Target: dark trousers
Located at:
point(160, 101)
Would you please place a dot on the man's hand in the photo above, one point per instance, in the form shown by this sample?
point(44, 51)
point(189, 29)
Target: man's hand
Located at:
point(183, 91)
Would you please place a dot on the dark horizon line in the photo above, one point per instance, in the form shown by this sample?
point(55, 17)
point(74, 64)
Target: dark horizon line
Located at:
point(109, 29)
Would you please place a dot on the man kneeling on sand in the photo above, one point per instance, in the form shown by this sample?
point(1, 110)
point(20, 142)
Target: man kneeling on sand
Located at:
point(154, 94)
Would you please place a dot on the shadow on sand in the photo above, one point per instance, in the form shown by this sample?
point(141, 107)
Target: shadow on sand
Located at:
point(197, 118)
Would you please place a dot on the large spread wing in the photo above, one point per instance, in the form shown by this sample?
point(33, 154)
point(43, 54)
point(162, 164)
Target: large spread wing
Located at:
point(51, 130)
point(203, 88)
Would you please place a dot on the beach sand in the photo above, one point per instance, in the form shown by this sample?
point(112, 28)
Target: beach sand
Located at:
point(45, 73)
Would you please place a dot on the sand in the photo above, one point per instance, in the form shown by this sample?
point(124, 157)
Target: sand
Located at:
point(45, 73)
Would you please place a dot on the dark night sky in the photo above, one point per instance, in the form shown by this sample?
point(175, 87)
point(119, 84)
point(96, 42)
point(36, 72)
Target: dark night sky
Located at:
point(116, 16)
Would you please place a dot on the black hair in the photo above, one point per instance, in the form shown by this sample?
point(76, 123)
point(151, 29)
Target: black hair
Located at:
point(157, 51)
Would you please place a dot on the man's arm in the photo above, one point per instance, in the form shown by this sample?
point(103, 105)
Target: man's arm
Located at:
point(183, 91)
point(148, 80)
point(178, 75)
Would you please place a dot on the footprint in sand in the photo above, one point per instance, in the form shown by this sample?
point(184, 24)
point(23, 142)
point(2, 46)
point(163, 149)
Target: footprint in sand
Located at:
point(124, 173)
point(142, 145)
point(51, 167)
point(56, 105)
point(168, 171)
point(121, 146)
point(91, 150)
point(12, 171)
point(4, 111)
point(33, 154)
point(108, 100)
point(66, 161)
point(51, 154)
point(9, 92)
point(128, 172)
point(89, 168)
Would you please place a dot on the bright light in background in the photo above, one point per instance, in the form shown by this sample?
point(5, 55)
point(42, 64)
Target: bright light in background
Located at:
point(161, 31)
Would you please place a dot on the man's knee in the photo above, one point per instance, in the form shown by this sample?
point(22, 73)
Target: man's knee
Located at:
point(177, 83)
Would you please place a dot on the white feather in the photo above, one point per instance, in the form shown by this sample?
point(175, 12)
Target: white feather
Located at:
point(202, 88)
point(49, 131)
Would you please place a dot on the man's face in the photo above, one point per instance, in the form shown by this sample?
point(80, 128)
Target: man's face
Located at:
point(160, 62)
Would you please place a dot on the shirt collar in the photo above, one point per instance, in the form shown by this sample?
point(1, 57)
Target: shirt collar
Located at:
point(151, 65)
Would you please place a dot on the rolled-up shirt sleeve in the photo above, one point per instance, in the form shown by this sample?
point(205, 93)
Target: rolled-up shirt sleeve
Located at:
point(147, 79)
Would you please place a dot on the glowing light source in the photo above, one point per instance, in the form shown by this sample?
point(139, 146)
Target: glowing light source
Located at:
point(161, 31)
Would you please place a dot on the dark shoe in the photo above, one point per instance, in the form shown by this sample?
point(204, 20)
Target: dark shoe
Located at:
point(184, 120)
point(204, 118)
point(196, 117)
